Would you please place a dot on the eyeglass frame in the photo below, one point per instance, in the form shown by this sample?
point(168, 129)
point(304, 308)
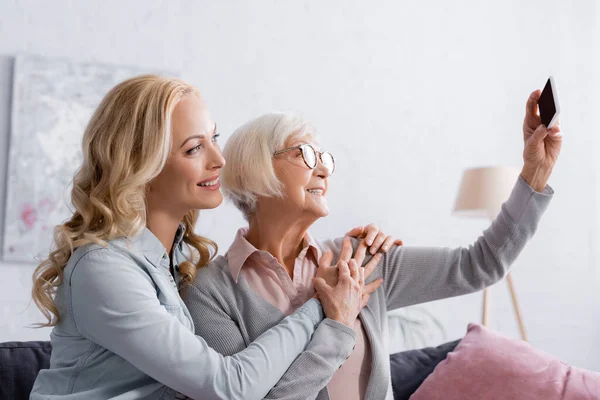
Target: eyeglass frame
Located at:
point(318, 153)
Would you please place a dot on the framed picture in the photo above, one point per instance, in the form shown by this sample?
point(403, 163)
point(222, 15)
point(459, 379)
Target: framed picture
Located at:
point(52, 102)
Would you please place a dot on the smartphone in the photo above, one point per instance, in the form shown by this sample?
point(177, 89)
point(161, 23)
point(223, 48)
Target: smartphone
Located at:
point(548, 104)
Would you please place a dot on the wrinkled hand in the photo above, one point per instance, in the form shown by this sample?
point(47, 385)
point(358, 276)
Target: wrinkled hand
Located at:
point(542, 146)
point(343, 301)
point(373, 238)
point(330, 274)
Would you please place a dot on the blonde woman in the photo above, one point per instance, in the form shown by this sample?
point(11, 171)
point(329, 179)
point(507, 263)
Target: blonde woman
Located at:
point(278, 176)
point(110, 287)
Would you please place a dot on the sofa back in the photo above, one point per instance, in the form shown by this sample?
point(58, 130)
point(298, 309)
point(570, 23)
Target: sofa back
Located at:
point(20, 363)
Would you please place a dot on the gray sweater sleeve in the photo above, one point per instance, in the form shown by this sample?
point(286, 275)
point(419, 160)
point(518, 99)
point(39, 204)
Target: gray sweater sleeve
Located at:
point(330, 346)
point(312, 370)
point(418, 275)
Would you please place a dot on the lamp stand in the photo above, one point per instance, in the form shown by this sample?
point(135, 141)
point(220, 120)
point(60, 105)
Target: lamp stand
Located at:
point(487, 311)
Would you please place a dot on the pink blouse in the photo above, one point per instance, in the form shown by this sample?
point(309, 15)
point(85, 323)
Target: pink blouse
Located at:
point(269, 279)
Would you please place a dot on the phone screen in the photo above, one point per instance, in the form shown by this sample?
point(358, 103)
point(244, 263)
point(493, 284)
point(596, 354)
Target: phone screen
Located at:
point(547, 104)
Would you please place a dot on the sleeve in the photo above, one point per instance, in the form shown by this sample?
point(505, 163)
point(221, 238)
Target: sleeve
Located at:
point(314, 368)
point(418, 275)
point(330, 346)
point(114, 304)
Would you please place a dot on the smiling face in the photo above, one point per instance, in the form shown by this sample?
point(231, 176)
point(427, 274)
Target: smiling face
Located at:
point(304, 189)
point(190, 177)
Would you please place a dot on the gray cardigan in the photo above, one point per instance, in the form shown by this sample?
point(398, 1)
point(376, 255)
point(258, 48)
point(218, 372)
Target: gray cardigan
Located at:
point(230, 316)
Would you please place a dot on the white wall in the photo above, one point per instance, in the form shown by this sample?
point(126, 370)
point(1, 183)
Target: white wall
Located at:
point(406, 95)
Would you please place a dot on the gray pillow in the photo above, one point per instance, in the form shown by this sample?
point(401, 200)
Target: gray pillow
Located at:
point(410, 368)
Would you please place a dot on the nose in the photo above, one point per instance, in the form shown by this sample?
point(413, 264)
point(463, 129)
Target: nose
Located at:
point(215, 158)
point(321, 171)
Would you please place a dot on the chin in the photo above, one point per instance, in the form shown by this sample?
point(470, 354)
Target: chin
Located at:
point(210, 203)
point(321, 212)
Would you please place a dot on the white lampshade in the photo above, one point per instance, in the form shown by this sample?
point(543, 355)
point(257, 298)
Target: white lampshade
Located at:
point(483, 190)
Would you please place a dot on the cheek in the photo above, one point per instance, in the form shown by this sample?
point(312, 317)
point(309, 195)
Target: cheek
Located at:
point(164, 181)
point(175, 177)
point(294, 180)
point(188, 172)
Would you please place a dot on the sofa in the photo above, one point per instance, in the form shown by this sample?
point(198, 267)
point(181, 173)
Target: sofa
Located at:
point(20, 363)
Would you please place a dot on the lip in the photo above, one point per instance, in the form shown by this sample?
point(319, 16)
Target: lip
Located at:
point(213, 188)
point(318, 188)
point(209, 179)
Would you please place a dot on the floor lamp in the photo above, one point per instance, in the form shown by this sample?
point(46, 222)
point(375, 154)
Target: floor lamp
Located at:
point(481, 194)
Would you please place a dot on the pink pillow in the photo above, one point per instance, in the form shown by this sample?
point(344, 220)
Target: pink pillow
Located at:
point(487, 365)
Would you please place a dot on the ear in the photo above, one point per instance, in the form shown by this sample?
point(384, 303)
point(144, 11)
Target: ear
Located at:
point(147, 188)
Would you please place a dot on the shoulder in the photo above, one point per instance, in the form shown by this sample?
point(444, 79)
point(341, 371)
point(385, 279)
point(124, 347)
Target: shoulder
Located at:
point(215, 275)
point(335, 245)
point(112, 259)
point(214, 282)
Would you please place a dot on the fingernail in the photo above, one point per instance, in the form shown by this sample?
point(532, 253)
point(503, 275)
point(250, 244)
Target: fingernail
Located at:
point(556, 134)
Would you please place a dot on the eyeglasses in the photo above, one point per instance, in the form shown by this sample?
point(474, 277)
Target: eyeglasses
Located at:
point(309, 155)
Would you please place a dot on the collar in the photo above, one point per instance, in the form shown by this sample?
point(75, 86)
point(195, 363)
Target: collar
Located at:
point(241, 249)
point(148, 244)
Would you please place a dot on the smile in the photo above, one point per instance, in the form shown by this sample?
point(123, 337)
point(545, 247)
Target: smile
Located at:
point(318, 192)
point(209, 183)
point(212, 184)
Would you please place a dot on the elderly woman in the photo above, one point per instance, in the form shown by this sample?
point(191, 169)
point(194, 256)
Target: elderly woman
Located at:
point(277, 176)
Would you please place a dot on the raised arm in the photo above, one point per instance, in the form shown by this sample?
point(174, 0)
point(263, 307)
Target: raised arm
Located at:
point(413, 275)
point(417, 275)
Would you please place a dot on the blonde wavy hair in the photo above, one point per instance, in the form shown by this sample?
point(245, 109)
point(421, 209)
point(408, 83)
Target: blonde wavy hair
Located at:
point(125, 146)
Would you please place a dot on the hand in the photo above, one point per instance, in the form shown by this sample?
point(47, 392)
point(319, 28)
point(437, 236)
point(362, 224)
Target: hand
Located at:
point(373, 238)
point(329, 273)
point(542, 146)
point(343, 301)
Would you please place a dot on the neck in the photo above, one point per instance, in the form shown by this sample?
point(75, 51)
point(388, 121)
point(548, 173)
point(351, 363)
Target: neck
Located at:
point(279, 235)
point(164, 226)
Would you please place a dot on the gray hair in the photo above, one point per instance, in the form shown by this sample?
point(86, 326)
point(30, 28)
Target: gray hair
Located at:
point(249, 173)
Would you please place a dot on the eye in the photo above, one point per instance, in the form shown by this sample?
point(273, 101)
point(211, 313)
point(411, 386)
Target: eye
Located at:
point(216, 137)
point(194, 149)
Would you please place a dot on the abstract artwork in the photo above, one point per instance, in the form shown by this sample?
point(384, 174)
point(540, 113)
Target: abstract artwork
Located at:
point(53, 100)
